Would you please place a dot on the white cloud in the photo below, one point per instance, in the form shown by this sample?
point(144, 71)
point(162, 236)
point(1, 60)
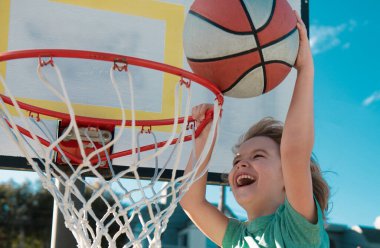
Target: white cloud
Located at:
point(346, 45)
point(371, 99)
point(377, 222)
point(324, 38)
point(357, 229)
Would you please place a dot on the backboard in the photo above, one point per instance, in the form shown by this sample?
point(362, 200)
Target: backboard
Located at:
point(150, 29)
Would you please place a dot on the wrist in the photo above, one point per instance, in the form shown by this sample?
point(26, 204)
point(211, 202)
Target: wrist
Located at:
point(305, 69)
point(202, 138)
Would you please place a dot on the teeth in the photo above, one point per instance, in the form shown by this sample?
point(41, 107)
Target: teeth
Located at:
point(245, 176)
point(245, 180)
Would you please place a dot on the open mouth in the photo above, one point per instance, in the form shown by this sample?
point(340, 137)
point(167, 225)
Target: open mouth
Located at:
point(244, 180)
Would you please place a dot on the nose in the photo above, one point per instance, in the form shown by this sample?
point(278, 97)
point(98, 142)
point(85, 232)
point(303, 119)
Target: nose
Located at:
point(242, 164)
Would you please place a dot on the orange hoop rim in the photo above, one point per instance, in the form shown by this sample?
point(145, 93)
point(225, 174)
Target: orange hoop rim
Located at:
point(117, 59)
point(120, 63)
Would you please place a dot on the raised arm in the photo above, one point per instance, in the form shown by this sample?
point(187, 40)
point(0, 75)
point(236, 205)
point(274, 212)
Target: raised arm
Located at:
point(204, 215)
point(298, 135)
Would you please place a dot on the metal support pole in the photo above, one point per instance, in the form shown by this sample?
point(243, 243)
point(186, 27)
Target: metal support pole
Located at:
point(222, 199)
point(61, 237)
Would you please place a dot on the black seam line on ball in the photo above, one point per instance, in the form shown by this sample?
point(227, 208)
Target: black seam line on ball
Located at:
point(244, 52)
point(223, 57)
point(280, 39)
point(259, 49)
point(241, 77)
point(253, 68)
point(217, 25)
point(269, 19)
point(278, 62)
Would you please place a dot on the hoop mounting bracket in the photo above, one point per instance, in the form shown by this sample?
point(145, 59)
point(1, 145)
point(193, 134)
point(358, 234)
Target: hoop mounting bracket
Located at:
point(43, 62)
point(120, 65)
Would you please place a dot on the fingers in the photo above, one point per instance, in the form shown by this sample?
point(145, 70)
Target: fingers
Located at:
point(299, 19)
point(304, 57)
point(198, 112)
point(301, 27)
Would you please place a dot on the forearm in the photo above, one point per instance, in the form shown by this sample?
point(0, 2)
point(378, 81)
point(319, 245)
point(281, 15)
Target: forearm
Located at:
point(297, 145)
point(298, 134)
point(204, 215)
point(197, 191)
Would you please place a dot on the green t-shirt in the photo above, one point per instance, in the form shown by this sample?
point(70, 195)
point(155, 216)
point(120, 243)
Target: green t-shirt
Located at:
point(285, 228)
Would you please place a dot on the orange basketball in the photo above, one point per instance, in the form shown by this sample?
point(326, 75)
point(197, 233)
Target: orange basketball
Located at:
point(245, 47)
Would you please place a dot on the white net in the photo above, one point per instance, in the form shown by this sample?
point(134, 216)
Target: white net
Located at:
point(100, 207)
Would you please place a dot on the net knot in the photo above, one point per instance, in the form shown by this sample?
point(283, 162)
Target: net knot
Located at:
point(69, 183)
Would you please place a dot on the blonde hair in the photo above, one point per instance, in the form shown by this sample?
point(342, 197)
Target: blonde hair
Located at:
point(268, 127)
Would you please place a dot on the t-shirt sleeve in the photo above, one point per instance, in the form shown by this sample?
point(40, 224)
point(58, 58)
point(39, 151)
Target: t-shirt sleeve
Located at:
point(299, 230)
point(233, 233)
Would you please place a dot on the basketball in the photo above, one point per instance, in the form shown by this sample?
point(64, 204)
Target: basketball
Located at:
point(246, 47)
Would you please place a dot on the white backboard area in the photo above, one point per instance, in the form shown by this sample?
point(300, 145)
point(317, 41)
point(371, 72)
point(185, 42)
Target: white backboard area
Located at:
point(148, 29)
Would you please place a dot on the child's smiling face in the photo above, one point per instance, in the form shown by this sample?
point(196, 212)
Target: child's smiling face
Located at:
point(256, 178)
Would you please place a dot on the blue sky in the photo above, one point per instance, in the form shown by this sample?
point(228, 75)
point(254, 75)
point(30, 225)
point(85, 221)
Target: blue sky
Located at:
point(344, 39)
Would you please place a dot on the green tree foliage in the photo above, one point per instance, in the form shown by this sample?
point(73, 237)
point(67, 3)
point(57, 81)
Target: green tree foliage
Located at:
point(25, 215)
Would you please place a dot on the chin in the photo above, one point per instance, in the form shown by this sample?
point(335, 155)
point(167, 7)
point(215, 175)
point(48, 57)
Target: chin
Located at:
point(246, 204)
point(245, 198)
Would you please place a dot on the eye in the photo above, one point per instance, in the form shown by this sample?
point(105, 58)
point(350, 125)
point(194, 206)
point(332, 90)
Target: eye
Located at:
point(235, 162)
point(256, 156)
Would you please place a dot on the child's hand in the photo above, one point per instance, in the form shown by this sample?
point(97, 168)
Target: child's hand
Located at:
point(198, 114)
point(304, 58)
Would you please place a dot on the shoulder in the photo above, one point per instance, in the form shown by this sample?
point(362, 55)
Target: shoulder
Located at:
point(297, 230)
point(235, 230)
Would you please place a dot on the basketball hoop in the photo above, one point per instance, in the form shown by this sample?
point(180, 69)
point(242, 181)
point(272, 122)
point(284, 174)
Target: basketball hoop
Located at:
point(85, 146)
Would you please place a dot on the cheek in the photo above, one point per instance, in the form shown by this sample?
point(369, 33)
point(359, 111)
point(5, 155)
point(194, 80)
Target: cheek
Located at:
point(230, 177)
point(278, 176)
point(278, 171)
point(271, 174)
